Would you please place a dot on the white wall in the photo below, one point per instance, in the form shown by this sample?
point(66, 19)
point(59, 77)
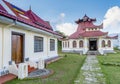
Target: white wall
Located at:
point(86, 45)
point(6, 47)
point(70, 48)
point(102, 49)
point(29, 45)
point(52, 53)
point(0, 47)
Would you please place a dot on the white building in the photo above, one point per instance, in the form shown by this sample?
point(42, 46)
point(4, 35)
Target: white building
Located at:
point(88, 37)
point(24, 37)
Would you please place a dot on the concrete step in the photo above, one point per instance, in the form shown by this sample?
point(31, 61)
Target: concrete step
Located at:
point(93, 53)
point(7, 77)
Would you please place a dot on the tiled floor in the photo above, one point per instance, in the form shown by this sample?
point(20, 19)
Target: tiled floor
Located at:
point(6, 78)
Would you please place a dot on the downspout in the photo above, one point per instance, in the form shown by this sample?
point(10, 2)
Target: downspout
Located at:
point(3, 42)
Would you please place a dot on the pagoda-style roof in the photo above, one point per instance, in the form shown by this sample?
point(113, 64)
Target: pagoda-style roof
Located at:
point(112, 37)
point(87, 23)
point(87, 34)
point(85, 19)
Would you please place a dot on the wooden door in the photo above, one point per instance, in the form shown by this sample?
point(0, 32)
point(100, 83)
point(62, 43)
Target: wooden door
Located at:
point(17, 48)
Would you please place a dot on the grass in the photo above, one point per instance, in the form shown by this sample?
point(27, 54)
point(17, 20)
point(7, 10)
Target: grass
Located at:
point(112, 72)
point(66, 71)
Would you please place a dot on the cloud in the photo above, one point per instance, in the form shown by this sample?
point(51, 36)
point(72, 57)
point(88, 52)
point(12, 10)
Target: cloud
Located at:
point(62, 15)
point(112, 20)
point(67, 28)
point(58, 20)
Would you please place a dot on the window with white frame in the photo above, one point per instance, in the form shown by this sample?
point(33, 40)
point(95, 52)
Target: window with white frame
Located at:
point(68, 44)
point(38, 44)
point(63, 44)
point(52, 44)
point(109, 43)
point(103, 43)
point(74, 44)
point(81, 44)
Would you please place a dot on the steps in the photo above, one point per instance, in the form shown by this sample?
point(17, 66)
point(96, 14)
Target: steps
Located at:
point(48, 61)
point(10, 76)
point(7, 77)
point(93, 53)
point(31, 69)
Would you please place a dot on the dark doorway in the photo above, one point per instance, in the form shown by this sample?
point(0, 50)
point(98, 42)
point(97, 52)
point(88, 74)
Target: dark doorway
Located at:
point(93, 44)
point(17, 48)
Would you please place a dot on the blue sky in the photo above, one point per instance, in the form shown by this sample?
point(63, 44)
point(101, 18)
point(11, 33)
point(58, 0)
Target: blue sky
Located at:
point(71, 9)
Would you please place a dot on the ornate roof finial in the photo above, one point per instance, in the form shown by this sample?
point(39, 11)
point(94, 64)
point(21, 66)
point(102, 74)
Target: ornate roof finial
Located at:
point(30, 7)
point(85, 18)
point(85, 15)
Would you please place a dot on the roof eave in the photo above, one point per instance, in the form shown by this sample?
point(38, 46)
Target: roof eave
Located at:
point(6, 20)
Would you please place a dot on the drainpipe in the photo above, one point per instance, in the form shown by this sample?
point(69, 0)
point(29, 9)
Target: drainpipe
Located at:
point(3, 41)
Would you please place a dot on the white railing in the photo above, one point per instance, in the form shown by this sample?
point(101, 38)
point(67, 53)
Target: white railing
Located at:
point(13, 69)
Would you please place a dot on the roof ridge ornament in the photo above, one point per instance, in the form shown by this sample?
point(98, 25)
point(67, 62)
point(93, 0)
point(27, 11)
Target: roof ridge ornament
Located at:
point(30, 7)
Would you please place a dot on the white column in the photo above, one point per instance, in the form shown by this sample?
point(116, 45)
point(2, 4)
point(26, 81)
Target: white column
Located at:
point(100, 49)
point(0, 48)
point(85, 45)
point(22, 70)
point(6, 49)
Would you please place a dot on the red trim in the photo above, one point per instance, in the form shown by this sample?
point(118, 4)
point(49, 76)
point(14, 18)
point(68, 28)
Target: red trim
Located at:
point(2, 13)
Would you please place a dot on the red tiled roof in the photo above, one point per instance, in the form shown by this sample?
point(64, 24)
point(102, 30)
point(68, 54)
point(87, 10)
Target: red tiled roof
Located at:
point(87, 34)
point(74, 35)
point(112, 37)
point(2, 8)
point(93, 33)
point(84, 23)
point(31, 16)
point(37, 20)
point(25, 21)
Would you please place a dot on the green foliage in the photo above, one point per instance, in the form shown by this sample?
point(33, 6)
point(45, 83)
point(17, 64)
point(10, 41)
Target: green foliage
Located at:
point(116, 48)
point(111, 63)
point(110, 66)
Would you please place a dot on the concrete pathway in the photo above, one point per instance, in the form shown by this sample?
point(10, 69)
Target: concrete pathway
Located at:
point(90, 72)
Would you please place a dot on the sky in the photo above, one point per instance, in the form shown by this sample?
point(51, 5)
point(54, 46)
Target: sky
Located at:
point(62, 14)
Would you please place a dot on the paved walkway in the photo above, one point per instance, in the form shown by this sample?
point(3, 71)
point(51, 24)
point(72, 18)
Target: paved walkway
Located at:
point(90, 72)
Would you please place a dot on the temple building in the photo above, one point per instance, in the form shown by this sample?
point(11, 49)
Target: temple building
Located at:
point(88, 37)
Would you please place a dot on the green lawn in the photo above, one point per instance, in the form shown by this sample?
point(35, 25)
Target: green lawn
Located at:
point(66, 71)
point(112, 72)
